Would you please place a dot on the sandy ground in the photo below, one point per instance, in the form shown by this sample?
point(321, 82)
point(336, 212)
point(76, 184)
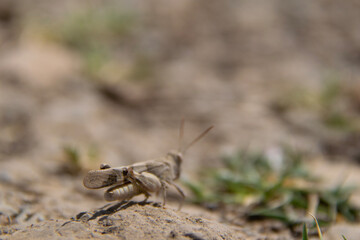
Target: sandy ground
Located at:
point(133, 220)
point(225, 71)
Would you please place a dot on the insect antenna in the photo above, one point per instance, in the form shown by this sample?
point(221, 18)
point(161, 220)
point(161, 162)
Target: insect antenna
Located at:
point(197, 139)
point(181, 134)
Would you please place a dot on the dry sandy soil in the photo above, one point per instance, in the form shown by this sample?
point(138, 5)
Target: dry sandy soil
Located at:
point(213, 62)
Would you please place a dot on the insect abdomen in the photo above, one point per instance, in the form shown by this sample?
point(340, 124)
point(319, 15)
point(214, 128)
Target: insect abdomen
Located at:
point(122, 192)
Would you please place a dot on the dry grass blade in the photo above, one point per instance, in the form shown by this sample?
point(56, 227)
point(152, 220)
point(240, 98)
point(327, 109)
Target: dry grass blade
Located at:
point(317, 226)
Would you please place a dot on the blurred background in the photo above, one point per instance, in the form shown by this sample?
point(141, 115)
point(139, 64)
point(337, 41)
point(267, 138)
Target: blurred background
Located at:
point(85, 82)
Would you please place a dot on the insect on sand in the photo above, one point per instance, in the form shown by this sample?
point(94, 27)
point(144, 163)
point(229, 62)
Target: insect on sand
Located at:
point(146, 177)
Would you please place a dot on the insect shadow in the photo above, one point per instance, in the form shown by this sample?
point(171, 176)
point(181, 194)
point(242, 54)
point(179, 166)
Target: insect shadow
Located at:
point(110, 209)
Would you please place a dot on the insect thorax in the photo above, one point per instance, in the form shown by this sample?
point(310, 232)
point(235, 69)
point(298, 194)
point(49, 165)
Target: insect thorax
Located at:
point(175, 159)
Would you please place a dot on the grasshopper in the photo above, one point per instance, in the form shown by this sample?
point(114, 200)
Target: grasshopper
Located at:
point(146, 177)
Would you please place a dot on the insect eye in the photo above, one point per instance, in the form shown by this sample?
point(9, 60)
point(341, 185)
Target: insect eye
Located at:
point(125, 171)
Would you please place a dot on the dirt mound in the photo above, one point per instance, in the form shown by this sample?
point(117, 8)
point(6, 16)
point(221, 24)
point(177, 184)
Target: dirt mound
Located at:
point(129, 221)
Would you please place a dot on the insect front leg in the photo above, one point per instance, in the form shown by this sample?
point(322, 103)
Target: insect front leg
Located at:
point(181, 193)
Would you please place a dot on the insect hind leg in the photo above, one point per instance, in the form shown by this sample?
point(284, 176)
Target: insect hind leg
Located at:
point(148, 182)
point(163, 190)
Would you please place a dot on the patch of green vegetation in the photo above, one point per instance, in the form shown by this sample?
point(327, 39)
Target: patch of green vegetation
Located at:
point(330, 102)
point(95, 59)
point(252, 183)
point(298, 97)
point(330, 98)
point(102, 36)
point(305, 235)
point(72, 160)
point(87, 28)
point(142, 69)
point(330, 92)
point(339, 121)
point(75, 162)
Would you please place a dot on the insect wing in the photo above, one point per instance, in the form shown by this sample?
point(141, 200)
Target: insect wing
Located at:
point(156, 167)
point(95, 179)
point(102, 178)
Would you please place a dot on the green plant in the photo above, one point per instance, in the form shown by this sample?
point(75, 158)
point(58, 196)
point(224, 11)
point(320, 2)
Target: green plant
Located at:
point(330, 97)
point(305, 232)
point(72, 163)
point(98, 35)
point(84, 29)
point(305, 235)
point(76, 162)
point(253, 185)
point(142, 68)
point(330, 103)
